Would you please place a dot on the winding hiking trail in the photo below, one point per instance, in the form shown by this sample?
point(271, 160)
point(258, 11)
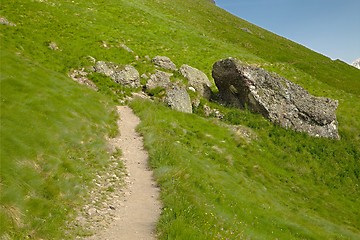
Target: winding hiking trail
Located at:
point(137, 217)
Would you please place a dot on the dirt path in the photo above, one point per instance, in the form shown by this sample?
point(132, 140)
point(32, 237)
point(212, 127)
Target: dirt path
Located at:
point(136, 218)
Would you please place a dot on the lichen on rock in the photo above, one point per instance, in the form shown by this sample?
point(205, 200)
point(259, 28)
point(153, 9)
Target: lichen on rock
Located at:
point(164, 62)
point(276, 98)
point(197, 80)
point(125, 75)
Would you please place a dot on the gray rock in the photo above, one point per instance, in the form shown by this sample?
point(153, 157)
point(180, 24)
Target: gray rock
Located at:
point(92, 211)
point(105, 68)
point(356, 63)
point(178, 98)
point(212, 112)
point(176, 95)
point(125, 75)
point(159, 79)
point(195, 102)
point(4, 21)
point(53, 46)
point(128, 76)
point(197, 79)
point(126, 48)
point(80, 76)
point(276, 98)
point(164, 62)
point(246, 30)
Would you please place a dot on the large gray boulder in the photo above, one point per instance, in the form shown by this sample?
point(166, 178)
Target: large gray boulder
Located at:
point(178, 98)
point(158, 79)
point(176, 95)
point(164, 62)
point(276, 98)
point(197, 79)
point(125, 75)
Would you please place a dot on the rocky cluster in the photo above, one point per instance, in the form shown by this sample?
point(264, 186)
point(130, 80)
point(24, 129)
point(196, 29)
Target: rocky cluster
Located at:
point(125, 75)
point(276, 98)
point(240, 85)
point(176, 93)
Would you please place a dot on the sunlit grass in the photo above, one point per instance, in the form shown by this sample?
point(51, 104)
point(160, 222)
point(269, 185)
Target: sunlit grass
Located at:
point(52, 142)
point(215, 184)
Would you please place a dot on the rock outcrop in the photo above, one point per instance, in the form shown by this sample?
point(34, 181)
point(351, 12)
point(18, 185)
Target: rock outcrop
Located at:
point(176, 95)
point(198, 80)
point(80, 76)
point(53, 46)
point(125, 75)
point(356, 63)
point(178, 98)
point(164, 62)
point(276, 98)
point(158, 79)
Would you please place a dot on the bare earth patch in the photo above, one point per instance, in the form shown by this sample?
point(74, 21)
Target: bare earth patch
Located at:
point(136, 215)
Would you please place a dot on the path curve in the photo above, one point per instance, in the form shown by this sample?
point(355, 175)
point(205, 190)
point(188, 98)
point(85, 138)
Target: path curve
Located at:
point(137, 217)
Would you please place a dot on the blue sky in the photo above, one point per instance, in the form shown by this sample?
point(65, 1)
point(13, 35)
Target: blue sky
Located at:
point(330, 27)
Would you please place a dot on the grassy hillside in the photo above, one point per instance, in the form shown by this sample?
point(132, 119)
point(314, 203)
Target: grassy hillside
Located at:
point(215, 185)
point(52, 143)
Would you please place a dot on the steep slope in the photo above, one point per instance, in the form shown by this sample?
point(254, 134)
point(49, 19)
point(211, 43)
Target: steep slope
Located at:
point(257, 182)
point(52, 143)
point(313, 180)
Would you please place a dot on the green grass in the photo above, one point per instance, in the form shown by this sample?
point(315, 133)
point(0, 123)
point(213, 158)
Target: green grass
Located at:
point(215, 184)
point(52, 144)
point(108, 87)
